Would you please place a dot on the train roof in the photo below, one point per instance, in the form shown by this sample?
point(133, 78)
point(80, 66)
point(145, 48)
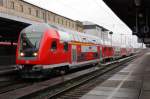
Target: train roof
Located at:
point(70, 35)
point(35, 28)
point(65, 34)
point(79, 37)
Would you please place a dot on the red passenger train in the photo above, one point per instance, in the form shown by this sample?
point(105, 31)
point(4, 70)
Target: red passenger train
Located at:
point(42, 48)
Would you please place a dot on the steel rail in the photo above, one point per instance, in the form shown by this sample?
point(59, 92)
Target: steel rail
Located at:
point(60, 88)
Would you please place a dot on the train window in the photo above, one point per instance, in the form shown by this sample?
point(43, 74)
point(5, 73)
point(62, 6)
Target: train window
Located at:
point(95, 55)
point(65, 46)
point(54, 46)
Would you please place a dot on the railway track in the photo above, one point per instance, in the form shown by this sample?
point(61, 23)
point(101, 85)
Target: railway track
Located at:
point(13, 86)
point(80, 90)
point(75, 88)
point(7, 70)
point(9, 79)
point(8, 75)
point(57, 86)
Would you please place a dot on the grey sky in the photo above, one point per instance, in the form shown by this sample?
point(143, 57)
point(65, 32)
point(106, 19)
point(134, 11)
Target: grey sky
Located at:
point(95, 11)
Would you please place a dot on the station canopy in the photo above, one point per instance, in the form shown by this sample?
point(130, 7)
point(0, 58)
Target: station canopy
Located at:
point(136, 14)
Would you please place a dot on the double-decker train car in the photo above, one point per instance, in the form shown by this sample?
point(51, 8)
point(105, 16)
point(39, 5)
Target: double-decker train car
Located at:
point(108, 53)
point(42, 49)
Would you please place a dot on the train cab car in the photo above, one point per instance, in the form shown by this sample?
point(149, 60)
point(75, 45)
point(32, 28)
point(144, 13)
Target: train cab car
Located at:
point(123, 52)
point(107, 51)
point(42, 49)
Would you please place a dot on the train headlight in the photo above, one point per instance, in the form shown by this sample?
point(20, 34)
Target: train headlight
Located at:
point(19, 67)
point(35, 54)
point(21, 54)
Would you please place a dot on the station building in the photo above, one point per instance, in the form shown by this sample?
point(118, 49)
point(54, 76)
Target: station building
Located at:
point(16, 15)
point(97, 30)
point(23, 9)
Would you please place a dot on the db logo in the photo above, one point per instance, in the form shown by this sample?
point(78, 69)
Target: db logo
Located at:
point(27, 62)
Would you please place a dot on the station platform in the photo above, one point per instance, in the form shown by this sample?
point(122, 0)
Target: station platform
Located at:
point(132, 82)
point(5, 69)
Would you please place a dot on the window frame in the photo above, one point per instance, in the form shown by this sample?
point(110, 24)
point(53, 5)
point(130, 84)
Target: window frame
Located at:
point(52, 48)
point(12, 5)
point(44, 15)
point(21, 8)
point(66, 46)
point(37, 13)
point(30, 11)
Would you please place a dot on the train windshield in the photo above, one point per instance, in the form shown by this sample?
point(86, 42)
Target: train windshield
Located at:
point(30, 37)
point(30, 40)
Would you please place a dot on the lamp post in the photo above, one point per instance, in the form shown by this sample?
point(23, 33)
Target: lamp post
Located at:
point(111, 33)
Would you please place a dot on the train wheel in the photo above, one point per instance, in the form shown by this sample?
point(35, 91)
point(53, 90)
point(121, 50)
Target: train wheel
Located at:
point(95, 64)
point(63, 70)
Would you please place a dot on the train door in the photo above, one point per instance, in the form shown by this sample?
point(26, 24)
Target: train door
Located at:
point(101, 58)
point(74, 54)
